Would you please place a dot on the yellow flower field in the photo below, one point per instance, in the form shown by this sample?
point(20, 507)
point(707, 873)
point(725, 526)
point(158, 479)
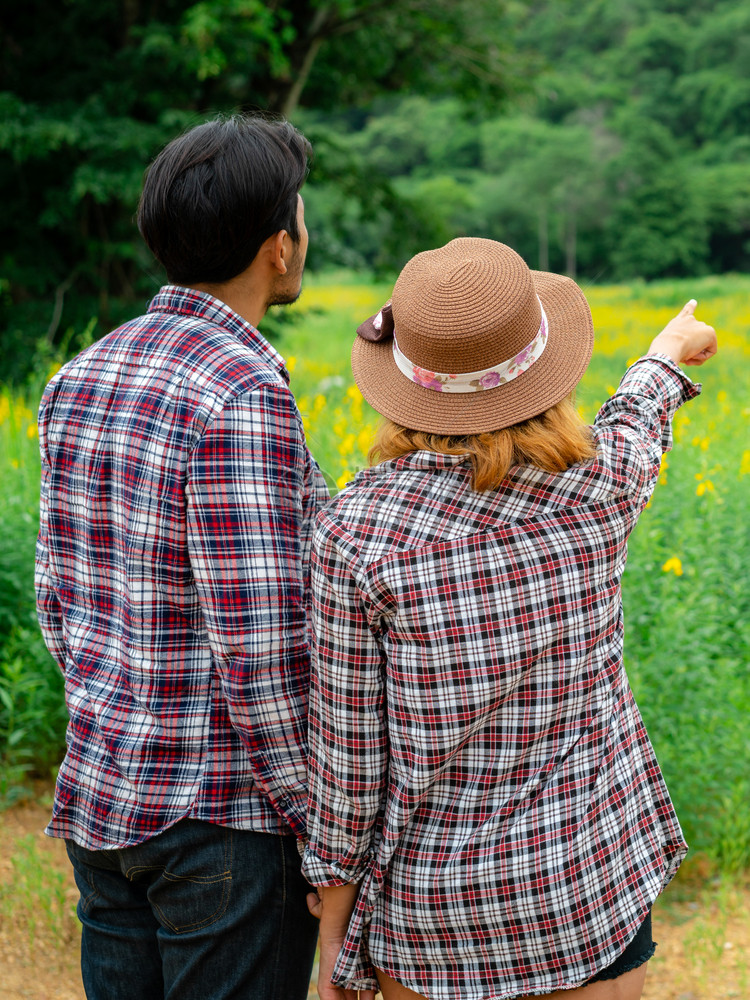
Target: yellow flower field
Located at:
point(686, 592)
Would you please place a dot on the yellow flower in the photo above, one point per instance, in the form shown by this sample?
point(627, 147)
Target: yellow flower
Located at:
point(745, 464)
point(673, 565)
point(705, 487)
point(364, 440)
point(291, 364)
point(345, 477)
point(16, 411)
point(32, 431)
point(15, 463)
point(346, 445)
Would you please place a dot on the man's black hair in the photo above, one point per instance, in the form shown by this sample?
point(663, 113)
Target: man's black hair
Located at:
point(214, 195)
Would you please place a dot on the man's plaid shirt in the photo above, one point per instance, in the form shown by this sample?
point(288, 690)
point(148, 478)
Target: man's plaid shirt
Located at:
point(172, 576)
point(477, 760)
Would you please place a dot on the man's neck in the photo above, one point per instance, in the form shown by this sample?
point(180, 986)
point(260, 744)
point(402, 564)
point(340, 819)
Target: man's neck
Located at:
point(239, 295)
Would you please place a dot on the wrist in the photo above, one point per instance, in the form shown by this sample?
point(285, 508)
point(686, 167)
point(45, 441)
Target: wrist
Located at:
point(334, 925)
point(671, 344)
point(337, 904)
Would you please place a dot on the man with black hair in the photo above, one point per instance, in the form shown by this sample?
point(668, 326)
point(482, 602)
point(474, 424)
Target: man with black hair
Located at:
point(172, 585)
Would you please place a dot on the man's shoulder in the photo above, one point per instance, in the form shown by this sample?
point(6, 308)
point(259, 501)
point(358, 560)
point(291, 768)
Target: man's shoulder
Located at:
point(169, 346)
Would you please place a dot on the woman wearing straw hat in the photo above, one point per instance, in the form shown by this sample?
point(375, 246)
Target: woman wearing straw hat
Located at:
point(487, 817)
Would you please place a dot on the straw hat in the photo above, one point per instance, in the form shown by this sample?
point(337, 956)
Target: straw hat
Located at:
point(473, 341)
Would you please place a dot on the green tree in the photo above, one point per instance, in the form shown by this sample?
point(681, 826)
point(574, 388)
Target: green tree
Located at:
point(556, 175)
point(658, 226)
point(90, 90)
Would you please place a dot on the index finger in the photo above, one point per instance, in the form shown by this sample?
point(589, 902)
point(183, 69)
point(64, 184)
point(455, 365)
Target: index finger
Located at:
point(689, 308)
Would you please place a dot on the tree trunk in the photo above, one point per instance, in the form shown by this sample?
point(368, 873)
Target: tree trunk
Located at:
point(291, 100)
point(302, 55)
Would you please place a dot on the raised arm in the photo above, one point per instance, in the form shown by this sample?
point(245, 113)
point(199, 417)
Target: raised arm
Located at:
point(633, 427)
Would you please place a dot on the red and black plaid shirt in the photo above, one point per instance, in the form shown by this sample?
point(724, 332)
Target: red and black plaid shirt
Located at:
point(478, 763)
point(172, 576)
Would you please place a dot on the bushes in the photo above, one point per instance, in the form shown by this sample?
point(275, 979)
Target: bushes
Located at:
point(32, 708)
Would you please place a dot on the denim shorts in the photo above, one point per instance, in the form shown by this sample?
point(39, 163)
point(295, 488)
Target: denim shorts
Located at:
point(640, 950)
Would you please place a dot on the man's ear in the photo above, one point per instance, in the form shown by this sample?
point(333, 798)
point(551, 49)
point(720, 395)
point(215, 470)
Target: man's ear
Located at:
point(280, 249)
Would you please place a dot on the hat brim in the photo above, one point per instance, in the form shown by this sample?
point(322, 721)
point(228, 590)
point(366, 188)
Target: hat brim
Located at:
point(552, 377)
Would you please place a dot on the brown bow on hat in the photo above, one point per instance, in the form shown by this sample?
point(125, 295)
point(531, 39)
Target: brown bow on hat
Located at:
point(378, 327)
point(473, 340)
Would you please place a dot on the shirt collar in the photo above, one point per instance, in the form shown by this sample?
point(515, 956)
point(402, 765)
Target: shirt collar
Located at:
point(201, 305)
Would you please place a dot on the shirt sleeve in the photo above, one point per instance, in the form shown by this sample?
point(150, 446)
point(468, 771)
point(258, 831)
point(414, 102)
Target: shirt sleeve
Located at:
point(251, 497)
point(48, 609)
point(348, 735)
point(633, 428)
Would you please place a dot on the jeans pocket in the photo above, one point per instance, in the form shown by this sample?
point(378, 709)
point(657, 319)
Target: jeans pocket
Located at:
point(193, 888)
point(89, 867)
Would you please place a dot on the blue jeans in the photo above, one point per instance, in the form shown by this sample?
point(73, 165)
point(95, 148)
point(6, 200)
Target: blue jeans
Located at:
point(199, 912)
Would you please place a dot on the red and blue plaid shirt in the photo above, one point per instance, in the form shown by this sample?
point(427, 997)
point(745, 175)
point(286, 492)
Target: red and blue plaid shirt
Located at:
point(172, 576)
point(478, 763)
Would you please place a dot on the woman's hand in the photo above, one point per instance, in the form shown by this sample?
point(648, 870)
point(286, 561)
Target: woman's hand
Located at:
point(329, 951)
point(333, 906)
point(686, 340)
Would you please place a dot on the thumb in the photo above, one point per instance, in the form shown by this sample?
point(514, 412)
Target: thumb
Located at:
point(688, 309)
point(314, 904)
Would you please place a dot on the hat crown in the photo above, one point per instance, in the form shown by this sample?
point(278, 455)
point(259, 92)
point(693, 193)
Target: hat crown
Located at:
point(465, 307)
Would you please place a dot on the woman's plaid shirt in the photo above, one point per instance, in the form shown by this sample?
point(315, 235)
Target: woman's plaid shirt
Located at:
point(173, 576)
point(477, 759)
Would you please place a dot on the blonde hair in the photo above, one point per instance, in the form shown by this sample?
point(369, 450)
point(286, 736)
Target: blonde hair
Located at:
point(553, 441)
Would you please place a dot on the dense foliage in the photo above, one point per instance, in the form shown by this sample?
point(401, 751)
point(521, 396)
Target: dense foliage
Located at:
point(607, 138)
point(628, 157)
point(91, 89)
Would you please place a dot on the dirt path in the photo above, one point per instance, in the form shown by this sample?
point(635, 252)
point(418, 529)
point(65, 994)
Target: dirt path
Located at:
point(702, 924)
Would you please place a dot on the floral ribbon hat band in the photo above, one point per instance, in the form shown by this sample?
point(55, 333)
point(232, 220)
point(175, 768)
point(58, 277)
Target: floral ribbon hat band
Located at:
point(485, 378)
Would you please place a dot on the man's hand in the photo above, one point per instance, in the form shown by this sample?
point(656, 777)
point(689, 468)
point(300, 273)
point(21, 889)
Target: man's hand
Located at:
point(686, 340)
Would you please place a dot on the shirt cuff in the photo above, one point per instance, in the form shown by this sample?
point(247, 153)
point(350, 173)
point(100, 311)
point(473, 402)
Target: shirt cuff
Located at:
point(319, 872)
point(687, 388)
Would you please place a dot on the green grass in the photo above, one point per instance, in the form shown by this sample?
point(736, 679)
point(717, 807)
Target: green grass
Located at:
point(38, 897)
